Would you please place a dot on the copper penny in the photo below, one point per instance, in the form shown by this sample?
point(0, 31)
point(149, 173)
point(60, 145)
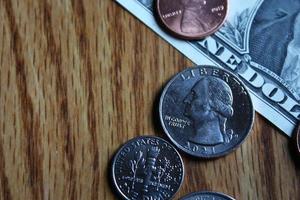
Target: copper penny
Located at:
point(192, 19)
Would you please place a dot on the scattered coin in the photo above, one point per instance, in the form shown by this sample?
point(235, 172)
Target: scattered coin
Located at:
point(298, 142)
point(206, 111)
point(298, 139)
point(192, 19)
point(147, 168)
point(207, 196)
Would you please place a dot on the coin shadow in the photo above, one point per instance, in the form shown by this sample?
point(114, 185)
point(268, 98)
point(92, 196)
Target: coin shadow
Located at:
point(199, 159)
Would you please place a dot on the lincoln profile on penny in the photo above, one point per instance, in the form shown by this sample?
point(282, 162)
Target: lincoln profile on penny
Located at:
point(208, 105)
point(193, 19)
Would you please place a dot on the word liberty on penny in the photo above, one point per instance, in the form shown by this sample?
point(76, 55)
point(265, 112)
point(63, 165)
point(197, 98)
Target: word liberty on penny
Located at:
point(207, 196)
point(206, 111)
point(147, 168)
point(192, 19)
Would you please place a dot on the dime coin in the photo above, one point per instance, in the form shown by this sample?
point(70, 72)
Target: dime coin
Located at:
point(192, 19)
point(207, 196)
point(147, 168)
point(206, 111)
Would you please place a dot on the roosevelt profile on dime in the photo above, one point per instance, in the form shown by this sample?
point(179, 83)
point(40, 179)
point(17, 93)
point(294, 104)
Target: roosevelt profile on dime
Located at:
point(208, 105)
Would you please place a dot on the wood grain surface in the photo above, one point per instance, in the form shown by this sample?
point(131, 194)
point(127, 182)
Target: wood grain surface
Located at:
point(80, 77)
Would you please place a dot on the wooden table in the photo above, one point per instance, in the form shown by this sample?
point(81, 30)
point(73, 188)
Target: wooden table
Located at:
point(79, 78)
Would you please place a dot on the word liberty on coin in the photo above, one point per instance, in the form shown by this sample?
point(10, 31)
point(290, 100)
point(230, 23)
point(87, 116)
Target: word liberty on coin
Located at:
point(207, 196)
point(192, 19)
point(147, 168)
point(206, 111)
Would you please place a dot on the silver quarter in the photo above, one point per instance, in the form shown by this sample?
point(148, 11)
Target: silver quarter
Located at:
point(206, 111)
point(147, 168)
point(207, 196)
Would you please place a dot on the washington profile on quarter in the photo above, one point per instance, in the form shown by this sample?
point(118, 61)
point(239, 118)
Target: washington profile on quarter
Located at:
point(192, 19)
point(205, 195)
point(147, 168)
point(206, 111)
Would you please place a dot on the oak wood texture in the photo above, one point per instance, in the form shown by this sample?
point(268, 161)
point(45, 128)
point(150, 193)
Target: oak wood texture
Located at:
point(80, 77)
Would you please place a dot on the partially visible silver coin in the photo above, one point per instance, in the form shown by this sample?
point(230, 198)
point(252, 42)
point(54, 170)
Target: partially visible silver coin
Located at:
point(147, 168)
point(206, 111)
point(297, 139)
point(207, 196)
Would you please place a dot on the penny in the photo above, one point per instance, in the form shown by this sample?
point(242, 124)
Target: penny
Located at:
point(147, 168)
point(207, 196)
point(192, 19)
point(206, 111)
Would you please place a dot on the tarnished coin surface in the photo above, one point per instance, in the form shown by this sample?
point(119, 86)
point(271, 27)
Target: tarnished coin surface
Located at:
point(192, 19)
point(207, 196)
point(147, 168)
point(206, 111)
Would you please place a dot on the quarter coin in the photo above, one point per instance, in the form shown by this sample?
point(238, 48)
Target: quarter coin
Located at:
point(207, 196)
point(192, 19)
point(206, 111)
point(147, 168)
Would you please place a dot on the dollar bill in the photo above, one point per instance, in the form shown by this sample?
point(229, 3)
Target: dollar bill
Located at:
point(259, 42)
